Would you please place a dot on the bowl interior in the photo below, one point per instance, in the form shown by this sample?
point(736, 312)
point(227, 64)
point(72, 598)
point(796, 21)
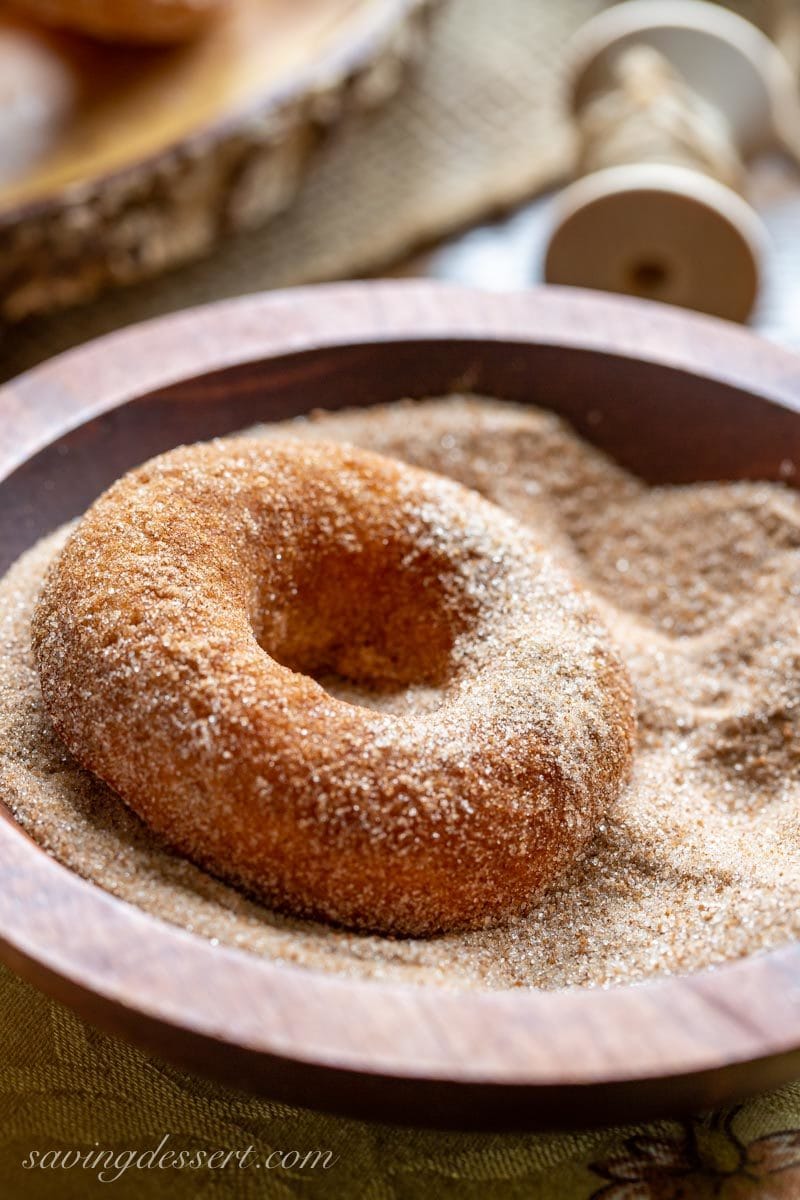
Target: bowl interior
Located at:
point(666, 424)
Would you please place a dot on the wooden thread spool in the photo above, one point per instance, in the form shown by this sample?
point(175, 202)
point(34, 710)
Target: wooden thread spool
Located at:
point(671, 99)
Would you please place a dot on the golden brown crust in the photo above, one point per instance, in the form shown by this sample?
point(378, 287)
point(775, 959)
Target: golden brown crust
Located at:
point(177, 634)
point(156, 21)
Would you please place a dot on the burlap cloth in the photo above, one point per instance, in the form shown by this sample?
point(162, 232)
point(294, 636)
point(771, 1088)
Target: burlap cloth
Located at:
point(476, 128)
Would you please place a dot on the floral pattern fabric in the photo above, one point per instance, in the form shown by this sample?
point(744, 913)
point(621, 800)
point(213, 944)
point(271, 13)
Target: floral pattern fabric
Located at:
point(703, 1158)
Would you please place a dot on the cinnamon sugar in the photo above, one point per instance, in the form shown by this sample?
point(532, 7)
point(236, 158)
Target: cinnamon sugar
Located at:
point(700, 859)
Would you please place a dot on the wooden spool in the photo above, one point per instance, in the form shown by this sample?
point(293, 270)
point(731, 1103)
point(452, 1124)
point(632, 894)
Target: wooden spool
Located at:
point(117, 163)
point(651, 386)
point(656, 229)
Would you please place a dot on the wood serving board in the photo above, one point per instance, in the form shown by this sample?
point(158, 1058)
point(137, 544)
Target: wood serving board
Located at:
point(674, 397)
point(117, 162)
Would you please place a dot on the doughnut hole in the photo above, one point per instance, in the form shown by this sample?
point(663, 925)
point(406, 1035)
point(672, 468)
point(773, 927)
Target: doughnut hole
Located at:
point(382, 616)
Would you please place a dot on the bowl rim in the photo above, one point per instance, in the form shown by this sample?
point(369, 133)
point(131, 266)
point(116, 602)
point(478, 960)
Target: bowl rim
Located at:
point(329, 1040)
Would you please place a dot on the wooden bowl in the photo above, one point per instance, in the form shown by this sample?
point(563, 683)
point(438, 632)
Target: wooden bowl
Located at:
point(676, 398)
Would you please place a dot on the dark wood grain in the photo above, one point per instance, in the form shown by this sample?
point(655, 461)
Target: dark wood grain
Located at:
point(673, 396)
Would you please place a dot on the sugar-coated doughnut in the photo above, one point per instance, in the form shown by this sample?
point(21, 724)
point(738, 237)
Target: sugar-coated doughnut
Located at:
point(179, 634)
point(127, 20)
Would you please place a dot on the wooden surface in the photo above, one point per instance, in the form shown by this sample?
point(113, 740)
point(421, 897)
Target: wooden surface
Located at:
point(116, 162)
point(675, 398)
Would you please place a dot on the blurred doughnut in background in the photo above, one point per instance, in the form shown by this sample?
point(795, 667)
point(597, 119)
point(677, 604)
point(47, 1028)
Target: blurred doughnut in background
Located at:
point(149, 21)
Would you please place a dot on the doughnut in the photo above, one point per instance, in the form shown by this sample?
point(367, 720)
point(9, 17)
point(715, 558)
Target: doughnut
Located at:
point(127, 20)
point(185, 632)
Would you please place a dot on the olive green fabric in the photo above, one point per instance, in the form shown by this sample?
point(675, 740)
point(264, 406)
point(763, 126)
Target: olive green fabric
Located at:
point(64, 1086)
